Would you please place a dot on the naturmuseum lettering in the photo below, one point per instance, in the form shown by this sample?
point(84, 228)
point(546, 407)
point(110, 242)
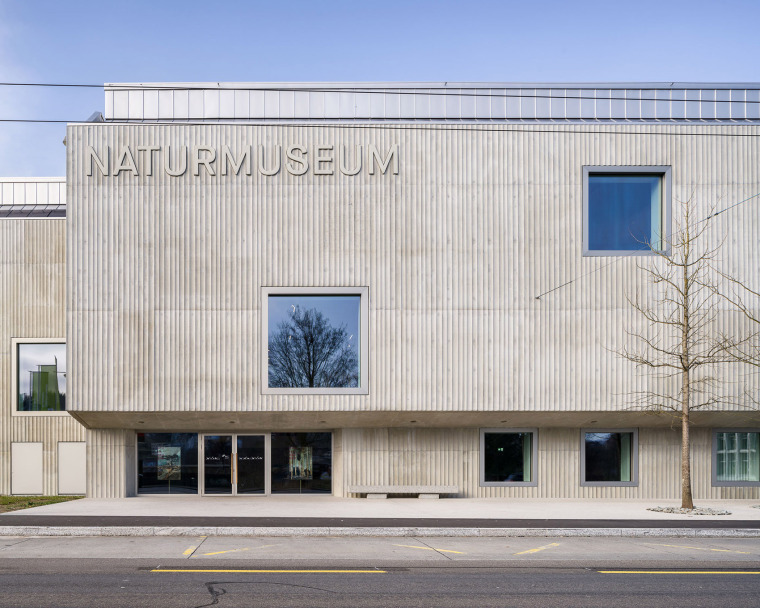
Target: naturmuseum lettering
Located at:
point(295, 159)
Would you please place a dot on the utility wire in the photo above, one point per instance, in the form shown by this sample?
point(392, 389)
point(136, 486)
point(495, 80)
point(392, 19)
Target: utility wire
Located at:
point(449, 125)
point(50, 84)
point(642, 249)
point(463, 91)
point(32, 120)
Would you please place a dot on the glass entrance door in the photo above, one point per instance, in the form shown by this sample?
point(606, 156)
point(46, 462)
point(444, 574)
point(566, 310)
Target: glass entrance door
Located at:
point(217, 464)
point(250, 471)
point(234, 464)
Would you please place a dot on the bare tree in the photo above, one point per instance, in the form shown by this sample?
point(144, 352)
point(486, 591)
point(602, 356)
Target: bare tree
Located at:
point(308, 351)
point(747, 301)
point(682, 344)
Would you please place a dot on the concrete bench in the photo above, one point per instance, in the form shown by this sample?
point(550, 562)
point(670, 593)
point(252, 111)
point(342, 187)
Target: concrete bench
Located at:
point(422, 491)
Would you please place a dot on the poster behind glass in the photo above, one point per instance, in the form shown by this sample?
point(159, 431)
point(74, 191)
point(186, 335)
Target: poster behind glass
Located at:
point(301, 463)
point(167, 463)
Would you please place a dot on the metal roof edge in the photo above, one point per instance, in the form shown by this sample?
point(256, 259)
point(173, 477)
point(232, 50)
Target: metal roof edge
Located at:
point(428, 85)
point(32, 180)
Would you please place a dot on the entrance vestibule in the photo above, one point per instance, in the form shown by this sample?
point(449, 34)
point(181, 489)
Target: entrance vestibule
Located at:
point(234, 464)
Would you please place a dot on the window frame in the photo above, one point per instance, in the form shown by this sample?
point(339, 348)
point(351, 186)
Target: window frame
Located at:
point(714, 459)
point(634, 459)
point(664, 171)
point(533, 458)
point(15, 342)
point(363, 293)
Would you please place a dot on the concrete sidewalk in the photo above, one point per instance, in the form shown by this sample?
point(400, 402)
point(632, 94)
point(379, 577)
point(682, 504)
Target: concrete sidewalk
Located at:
point(330, 516)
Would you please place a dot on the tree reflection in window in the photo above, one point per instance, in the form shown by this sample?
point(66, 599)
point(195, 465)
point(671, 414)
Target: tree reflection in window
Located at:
point(313, 341)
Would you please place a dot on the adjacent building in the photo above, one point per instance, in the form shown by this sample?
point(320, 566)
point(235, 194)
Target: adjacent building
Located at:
point(299, 288)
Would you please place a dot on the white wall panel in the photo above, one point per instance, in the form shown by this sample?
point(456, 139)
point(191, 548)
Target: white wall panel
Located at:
point(26, 468)
point(72, 467)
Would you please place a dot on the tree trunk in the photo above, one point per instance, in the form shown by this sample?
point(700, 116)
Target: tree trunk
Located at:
point(687, 501)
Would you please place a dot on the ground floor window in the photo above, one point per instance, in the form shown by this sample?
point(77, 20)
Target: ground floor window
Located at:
point(507, 457)
point(167, 463)
point(609, 457)
point(301, 463)
point(736, 457)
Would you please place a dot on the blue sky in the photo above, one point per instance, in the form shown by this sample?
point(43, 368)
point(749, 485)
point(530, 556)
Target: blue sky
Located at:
point(340, 311)
point(167, 41)
point(33, 355)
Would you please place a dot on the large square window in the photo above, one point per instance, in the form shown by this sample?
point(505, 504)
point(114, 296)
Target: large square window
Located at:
point(609, 457)
point(625, 210)
point(315, 340)
point(507, 457)
point(40, 376)
point(736, 457)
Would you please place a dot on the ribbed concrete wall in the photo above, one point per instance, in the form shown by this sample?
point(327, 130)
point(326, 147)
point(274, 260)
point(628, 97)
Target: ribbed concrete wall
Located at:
point(111, 456)
point(32, 305)
point(451, 456)
point(164, 288)
point(165, 278)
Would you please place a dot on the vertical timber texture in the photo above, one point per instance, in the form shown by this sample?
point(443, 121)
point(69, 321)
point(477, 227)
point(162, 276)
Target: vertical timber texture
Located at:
point(32, 305)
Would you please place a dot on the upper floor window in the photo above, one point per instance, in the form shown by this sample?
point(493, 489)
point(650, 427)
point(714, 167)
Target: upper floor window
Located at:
point(316, 340)
point(40, 376)
point(626, 210)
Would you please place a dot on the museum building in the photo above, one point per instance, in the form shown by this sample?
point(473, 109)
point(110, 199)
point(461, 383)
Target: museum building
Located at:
point(253, 289)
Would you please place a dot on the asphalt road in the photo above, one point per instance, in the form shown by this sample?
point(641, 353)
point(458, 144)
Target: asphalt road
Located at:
point(112, 583)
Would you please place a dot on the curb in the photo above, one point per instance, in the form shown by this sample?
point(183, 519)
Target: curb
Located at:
point(370, 531)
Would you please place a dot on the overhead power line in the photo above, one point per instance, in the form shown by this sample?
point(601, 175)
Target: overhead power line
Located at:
point(642, 249)
point(433, 123)
point(463, 91)
point(32, 120)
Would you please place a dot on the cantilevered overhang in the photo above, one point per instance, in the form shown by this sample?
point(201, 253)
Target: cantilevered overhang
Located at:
point(292, 421)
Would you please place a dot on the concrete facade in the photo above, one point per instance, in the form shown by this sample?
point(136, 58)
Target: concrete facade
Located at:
point(464, 233)
point(32, 308)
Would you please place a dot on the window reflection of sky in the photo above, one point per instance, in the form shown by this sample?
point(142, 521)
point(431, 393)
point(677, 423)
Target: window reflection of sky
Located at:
point(625, 212)
point(30, 356)
point(338, 310)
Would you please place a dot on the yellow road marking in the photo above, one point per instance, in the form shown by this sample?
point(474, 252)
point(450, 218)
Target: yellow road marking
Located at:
point(431, 549)
point(705, 549)
point(679, 571)
point(277, 571)
point(191, 550)
point(228, 551)
point(537, 549)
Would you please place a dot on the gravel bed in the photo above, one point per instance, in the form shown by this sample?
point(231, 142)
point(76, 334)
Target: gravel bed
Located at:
point(694, 511)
